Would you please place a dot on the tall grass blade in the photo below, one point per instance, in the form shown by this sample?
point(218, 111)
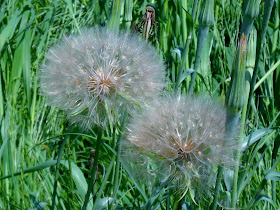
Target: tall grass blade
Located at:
point(8, 31)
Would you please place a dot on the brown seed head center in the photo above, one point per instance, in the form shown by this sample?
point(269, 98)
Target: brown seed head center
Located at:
point(101, 86)
point(104, 83)
point(184, 150)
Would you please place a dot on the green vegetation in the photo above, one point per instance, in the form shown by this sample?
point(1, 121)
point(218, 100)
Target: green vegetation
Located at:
point(45, 161)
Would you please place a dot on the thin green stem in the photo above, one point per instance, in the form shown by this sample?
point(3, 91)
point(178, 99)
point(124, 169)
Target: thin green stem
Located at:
point(104, 181)
point(238, 156)
point(217, 187)
point(249, 63)
point(94, 167)
point(118, 150)
point(69, 192)
point(64, 140)
point(117, 174)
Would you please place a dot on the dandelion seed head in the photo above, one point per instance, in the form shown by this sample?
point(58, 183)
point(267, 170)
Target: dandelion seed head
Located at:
point(188, 132)
point(98, 74)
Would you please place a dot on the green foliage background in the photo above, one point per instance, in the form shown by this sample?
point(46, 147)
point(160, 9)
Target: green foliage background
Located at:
point(31, 132)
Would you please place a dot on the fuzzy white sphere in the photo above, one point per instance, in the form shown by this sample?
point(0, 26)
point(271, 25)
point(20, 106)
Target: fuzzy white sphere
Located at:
point(99, 74)
point(187, 133)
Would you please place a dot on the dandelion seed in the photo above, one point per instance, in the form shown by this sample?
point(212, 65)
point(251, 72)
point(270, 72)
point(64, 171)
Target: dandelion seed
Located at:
point(194, 138)
point(99, 74)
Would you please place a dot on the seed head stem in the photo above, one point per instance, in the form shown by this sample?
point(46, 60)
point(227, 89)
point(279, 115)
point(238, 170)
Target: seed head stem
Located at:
point(61, 148)
point(93, 171)
point(217, 187)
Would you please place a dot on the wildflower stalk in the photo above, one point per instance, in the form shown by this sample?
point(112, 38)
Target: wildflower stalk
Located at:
point(232, 120)
point(266, 15)
point(71, 181)
point(117, 173)
point(186, 48)
point(249, 70)
point(235, 101)
point(115, 161)
point(94, 167)
point(217, 187)
point(118, 150)
point(238, 156)
point(61, 148)
point(128, 7)
point(104, 181)
point(108, 173)
point(205, 21)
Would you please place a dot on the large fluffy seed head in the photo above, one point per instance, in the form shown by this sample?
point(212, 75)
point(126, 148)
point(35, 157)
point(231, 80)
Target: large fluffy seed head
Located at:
point(96, 75)
point(188, 132)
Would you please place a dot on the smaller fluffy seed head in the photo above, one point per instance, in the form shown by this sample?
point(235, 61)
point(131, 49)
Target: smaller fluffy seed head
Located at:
point(98, 74)
point(188, 132)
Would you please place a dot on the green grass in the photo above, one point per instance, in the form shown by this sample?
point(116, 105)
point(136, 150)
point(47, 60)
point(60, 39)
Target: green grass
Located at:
point(32, 133)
